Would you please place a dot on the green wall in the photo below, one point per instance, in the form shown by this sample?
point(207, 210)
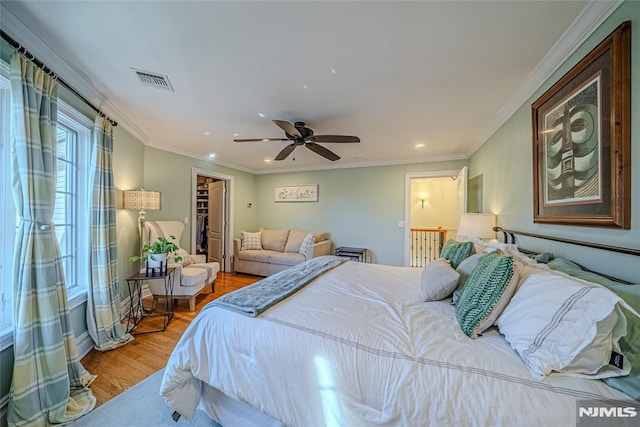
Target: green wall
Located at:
point(360, 207)
point(505, 161)
point(171, 174)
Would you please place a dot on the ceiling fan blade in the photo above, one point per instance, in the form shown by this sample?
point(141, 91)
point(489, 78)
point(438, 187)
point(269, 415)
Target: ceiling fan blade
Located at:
point(319, 149)
point(287, 127)
point(260, 140)
point(333, 138)
point(285, 152)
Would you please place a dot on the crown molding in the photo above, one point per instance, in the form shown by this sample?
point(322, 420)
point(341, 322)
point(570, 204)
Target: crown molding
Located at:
point(591, 17)
point(35, 43)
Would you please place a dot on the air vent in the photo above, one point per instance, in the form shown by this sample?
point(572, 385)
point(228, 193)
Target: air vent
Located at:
point(158, 81)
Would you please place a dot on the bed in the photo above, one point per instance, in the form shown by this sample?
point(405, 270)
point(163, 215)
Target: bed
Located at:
point(358, 346)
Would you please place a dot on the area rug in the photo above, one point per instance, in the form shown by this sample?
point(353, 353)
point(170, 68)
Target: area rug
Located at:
point(140, 406)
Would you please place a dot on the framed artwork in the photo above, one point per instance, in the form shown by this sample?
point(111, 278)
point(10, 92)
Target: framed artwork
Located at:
point(297, 193)
point(582, 140)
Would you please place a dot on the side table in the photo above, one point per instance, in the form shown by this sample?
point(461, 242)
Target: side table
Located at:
point(354, 254)
point(137, 312)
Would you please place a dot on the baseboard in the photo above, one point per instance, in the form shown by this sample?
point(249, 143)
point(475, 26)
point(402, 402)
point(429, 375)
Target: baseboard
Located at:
point(84, 343)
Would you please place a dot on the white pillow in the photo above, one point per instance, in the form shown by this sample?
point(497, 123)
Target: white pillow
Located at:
point(251, 241)
point(564, 325)
point(438, 280)
point(186, 258)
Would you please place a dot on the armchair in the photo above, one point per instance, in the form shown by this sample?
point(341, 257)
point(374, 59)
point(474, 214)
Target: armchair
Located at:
point(192, 274)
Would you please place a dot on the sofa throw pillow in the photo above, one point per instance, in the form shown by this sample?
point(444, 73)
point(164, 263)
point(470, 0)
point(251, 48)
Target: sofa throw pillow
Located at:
point(486, 293)
point(456, 252)
point(186, 258)
point(250, 241)
point(295, 240)
point(274, 240)
point(307, 245)
point(438, 280)
point(465, 269)
point(559, 324)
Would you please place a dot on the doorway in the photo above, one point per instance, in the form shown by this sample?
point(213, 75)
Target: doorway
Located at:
point(212, 216)
point(433, 204)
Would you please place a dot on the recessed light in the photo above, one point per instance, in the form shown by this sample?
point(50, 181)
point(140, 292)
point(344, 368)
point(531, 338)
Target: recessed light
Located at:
point(419, 145)
point(305, 86)
point(236, 134)
point(267, 160)
point(265, 139)
point(211, 155)
point(261, 115)
point(333, 71)
point(207, 133)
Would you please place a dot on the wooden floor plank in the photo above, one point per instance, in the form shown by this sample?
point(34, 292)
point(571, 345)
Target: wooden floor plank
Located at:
point(124, 367)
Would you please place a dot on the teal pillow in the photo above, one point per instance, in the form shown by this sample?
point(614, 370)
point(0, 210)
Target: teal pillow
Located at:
point(486, 293)
point(541, 258)
point(456, 252)
point(630, 343)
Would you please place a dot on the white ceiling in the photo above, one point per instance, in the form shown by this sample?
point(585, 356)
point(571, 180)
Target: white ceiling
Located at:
point(438, 73)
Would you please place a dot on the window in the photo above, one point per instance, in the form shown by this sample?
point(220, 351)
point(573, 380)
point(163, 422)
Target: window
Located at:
point(7, 210)
point(72, 205)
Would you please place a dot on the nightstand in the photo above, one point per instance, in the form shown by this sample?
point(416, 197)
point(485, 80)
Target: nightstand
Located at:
point(137, 313)
point(354, 254)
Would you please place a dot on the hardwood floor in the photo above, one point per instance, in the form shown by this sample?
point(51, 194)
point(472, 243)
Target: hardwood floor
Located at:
point(124, 367)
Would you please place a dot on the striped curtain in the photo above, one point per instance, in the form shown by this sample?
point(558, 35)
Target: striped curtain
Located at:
point(50, 385)
point(103, 305)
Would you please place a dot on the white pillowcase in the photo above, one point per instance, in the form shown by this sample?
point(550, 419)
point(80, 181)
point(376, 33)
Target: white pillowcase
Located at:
point(251, 241)
point(438, 280)
point(564, 325)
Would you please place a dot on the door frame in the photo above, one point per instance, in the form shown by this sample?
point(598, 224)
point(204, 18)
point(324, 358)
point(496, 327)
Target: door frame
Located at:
point(229, 210)
point(407, 202)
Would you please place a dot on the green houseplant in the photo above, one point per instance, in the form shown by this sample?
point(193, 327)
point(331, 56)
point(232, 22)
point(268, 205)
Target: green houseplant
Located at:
point(158, 251)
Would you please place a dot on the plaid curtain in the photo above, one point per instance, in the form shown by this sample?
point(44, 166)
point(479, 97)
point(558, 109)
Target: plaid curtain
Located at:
point(50, 385)
point(103, 305)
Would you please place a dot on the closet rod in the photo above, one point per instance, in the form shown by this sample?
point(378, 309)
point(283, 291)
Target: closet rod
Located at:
point(23, 51)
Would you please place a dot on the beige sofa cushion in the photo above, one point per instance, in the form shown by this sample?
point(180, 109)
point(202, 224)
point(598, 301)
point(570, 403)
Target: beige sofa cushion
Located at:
point(256, 256)
point(286, 258)
point(274, 240)
point(295, 240)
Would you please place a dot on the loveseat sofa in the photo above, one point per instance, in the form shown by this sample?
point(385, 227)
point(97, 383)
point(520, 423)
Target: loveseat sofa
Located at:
point(270, 251)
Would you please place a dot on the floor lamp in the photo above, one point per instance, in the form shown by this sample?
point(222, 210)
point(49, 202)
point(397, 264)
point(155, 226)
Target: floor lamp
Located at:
point(141, 200)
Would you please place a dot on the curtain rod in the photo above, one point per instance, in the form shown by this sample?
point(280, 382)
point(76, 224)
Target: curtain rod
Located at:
point(23, 51)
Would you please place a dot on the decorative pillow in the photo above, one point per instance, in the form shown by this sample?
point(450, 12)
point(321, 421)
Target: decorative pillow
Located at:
point(251, 241)
point(486, 293)
point(456, 252)
point(274, 240)
point(438, 280)
point(541, 258)
point(186, 258)
point(565, 325)
point(295, 240)
point(465, 269)
point(307, 244)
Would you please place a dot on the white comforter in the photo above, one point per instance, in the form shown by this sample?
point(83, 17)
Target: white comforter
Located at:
point(358, 347)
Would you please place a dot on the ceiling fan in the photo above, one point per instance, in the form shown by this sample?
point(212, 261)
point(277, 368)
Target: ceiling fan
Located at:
point(302, 135)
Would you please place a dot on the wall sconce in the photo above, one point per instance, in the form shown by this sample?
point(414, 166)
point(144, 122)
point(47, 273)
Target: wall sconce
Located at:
point(421, 198)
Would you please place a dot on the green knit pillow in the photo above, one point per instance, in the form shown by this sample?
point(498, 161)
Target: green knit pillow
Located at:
point(456, 252)
point(487, 292)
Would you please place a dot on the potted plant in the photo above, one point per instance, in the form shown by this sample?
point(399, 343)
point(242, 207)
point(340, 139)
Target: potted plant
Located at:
point(157, 252)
